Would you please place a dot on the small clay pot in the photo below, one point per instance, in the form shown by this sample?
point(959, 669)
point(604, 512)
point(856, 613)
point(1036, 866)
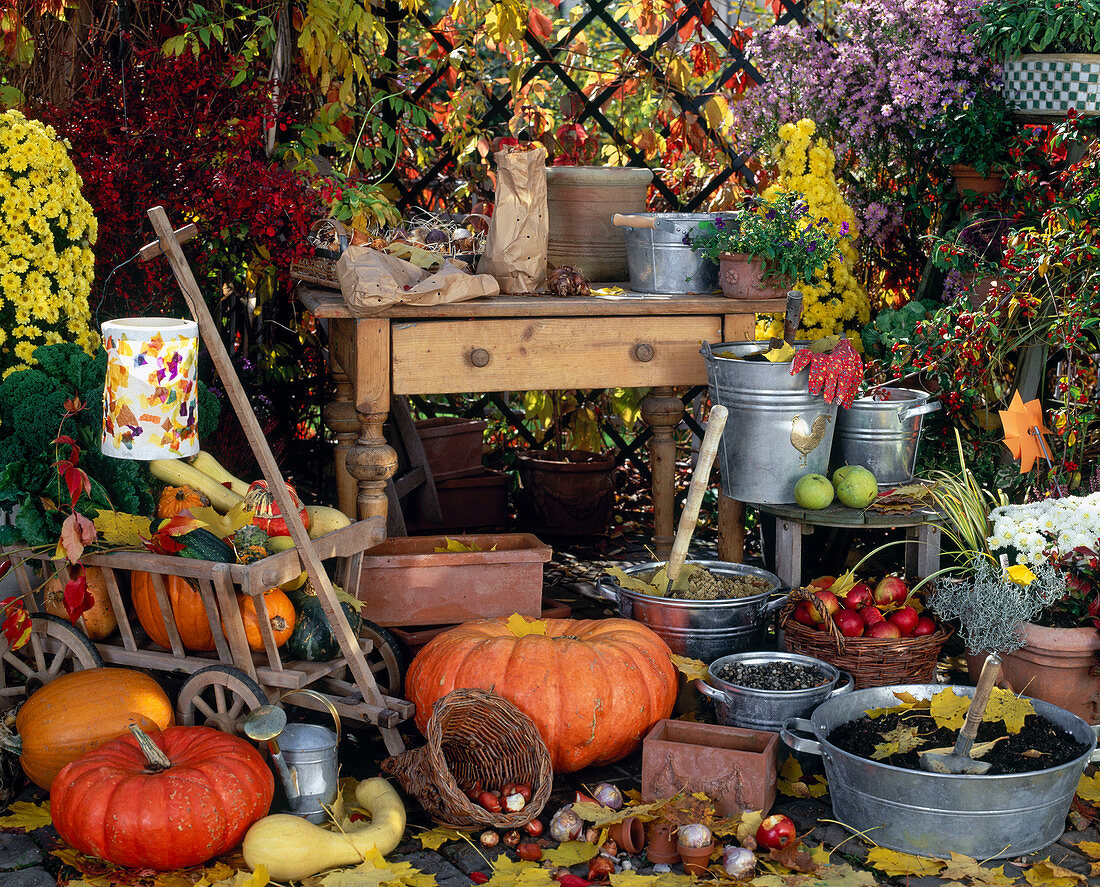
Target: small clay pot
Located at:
point(661, 844)
point(628, 834)
point(695, 859)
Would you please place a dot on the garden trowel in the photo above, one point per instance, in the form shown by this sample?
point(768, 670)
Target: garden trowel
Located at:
point(959, 761)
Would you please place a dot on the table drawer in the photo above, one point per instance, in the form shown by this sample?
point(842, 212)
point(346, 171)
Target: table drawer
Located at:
point(440, 357)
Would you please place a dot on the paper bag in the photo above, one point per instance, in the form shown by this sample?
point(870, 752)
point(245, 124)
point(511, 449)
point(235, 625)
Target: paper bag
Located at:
point(372, 281)
point(515, 245)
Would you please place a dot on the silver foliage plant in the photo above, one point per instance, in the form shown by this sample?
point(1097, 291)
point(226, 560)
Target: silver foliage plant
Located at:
point(992, 608)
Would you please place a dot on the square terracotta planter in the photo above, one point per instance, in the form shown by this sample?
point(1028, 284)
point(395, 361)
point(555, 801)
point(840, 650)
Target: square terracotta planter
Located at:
point(405, 581)
point(453, 445)
point(735, 767)
point(469, 502)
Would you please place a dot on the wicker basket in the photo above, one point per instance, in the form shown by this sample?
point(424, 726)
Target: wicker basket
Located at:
point(475, 736)
point(872, 662)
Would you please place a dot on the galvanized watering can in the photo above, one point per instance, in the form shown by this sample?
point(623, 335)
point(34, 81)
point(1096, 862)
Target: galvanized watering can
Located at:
point(304, 755)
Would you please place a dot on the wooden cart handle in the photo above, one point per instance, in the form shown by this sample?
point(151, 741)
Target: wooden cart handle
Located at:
point(623, 221)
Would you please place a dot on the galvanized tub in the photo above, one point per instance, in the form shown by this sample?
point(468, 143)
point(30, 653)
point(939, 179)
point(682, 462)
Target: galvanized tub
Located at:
point(700, 629)
point(776, 432)
point(882, 433)
point(738, 706)
point(659, 261)
point(934, 814)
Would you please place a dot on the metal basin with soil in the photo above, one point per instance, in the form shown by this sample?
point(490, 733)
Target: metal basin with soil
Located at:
point(758, 708)
point(701, 629)
point(934, 814)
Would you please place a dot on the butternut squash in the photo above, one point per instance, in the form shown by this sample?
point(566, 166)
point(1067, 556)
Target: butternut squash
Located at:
point(211, 467)
point(177, 473)
point(293, 849)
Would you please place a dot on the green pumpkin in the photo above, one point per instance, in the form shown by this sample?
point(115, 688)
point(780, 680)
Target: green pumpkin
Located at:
point(313, 639)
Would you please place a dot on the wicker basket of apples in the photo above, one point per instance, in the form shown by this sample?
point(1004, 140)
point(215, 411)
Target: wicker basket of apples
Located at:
point(881, 635)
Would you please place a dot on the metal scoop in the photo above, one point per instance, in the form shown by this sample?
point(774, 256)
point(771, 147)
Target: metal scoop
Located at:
point(263, 725)
point(959, 761)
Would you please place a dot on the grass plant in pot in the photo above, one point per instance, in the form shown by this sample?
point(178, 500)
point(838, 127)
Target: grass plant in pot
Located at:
point(768, 247)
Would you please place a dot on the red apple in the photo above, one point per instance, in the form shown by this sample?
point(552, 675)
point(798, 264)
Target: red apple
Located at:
point(871, 616)
point(905, 618)
point(859, 596)
point(884, 629)
point(925, 625)
point(849, 623)
point(802, 613)
point(822, 582)
point(891, 590)
point(831, 605)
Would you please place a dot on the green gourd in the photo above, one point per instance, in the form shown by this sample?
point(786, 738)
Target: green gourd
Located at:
point(313, 638)
point(202, 545)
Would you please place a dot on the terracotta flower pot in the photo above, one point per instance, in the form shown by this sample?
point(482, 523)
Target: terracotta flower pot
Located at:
point(1055, 666)
point(566, 495)
point(968, 179)
point(629, 834)
point(742, 277)
point(695, 859)
point(661, 843)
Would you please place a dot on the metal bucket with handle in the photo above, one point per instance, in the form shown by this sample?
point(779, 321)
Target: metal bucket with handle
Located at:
point(659, 256)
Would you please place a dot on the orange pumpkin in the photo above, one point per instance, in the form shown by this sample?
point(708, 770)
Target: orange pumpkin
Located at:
point(77, 712)
point(280, 616)
point(100, 620)
point(177, 500)
point(593, 687)
point(187, 608)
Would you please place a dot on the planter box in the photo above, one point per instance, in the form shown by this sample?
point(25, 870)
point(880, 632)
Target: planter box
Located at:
point(467, 503)
point(453, 446)
point(1051, 84)
point(404, 581)
point(415, 639)
point(735, 767)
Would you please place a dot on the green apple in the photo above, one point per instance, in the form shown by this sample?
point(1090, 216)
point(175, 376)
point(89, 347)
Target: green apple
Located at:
point(813, 491)
point(857, 488)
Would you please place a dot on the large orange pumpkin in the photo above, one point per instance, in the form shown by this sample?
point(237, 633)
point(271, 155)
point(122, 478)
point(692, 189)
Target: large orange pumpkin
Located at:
point(100, 620)
point(592, 687)
point(280, 616)
point(187, 607)
point(77, 712)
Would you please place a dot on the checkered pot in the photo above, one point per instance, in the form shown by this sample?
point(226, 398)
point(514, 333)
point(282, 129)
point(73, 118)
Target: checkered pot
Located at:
point(1051, 84)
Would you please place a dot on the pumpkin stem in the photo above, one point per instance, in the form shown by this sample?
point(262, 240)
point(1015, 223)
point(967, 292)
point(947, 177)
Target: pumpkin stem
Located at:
point(156, 760)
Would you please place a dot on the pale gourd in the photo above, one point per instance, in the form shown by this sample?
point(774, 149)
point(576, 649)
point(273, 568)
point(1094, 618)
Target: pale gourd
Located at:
point(293, 849)
point(177, 473)
point(324, 520)
point(211, 467)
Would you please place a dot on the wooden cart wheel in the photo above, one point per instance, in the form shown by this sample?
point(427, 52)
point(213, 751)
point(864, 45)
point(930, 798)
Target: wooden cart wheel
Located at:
point(55, 647)
point(387, 660)
point(218, 696)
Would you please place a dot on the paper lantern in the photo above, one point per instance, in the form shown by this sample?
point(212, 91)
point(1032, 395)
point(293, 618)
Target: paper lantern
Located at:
point(150, 399)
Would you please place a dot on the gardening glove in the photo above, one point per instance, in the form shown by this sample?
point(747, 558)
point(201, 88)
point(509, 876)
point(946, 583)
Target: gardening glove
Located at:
point(835, 374)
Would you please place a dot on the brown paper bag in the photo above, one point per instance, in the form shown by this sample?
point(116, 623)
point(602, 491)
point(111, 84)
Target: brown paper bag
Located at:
point(372, 281)
point(515, 246)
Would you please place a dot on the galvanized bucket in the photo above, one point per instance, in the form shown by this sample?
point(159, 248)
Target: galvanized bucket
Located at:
point(700, 629)
point(777, 431)
point(659, 261)
point(934, 814)
point(737, 706)
point(882, 433)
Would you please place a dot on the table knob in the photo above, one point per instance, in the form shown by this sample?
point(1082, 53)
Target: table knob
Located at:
point(643, 352)
point(479, 357)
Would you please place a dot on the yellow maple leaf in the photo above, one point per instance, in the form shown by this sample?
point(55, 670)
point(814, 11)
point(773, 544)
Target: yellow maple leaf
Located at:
point(374, 871)
point(839, 875)
point(601, 816)
point(1006, 706)
point(507, 873)
point(570, 853)
point(1091, 849)
point(977, 875)
point(750, 822)
point(455, 545)
point(521, 625)
point(27, 815)
point(949, 710)
point(175, 879)
point(692, 669)
point(900, 740)
point(895, 863)
point(1088, 789)
point(434, 838)
point(1050, 874)
point(633, 879)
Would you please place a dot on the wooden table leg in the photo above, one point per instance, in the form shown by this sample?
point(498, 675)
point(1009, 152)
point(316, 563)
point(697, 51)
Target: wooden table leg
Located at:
point(922, 550)
point(788, 551)
point(731, 529)
point(341, 418)
point(662, 411)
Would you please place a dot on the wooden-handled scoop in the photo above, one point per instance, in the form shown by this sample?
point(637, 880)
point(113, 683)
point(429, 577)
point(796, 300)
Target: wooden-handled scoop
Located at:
point(619, 220)
point(699, 480)
point(958, 761)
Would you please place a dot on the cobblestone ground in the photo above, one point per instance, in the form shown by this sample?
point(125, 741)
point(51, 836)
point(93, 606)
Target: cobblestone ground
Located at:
point(25, 859)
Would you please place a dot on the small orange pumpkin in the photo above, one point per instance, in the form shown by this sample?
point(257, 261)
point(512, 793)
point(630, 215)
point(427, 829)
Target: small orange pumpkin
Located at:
point(178, 500)
point(187, 608)
point(280, 616)
point(99, 621)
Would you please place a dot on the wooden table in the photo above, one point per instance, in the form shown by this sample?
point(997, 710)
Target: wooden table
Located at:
point(518, 343)
point(792, 522)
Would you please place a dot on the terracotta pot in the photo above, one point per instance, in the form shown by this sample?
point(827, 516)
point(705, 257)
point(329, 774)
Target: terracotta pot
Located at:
point(969, 180)
point(628, 834)
point(695, 859)
point(453, 445)
point(566, 495)
point(466, 503)
point(741, 277)
point(1055, 666)
point(978, 286)
point(661, 843)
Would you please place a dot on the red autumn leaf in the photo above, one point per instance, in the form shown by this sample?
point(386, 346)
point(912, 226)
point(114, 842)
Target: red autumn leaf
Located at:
point(539, 24)
point(163, 540)
point(17, 622)
point(77, 598)
point(76, 480)
point(76, 532)
point(74, 450)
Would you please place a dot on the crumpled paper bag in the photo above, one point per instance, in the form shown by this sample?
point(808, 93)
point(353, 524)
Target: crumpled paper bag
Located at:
point(515, 245)
point(372, 281)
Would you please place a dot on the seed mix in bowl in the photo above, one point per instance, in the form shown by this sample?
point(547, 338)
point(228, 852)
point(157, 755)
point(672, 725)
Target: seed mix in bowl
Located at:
point(778, 675)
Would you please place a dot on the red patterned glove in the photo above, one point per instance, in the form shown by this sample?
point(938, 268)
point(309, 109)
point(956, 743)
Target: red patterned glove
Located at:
point(836, 374)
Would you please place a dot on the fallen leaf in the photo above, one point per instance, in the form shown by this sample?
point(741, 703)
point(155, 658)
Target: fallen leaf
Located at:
point(175, 879)
point(1091, 849)
point(1008, 707)
point(570, 853)
point(842, 875)
point(521, 625)
point(601, 816)
point(633, 879)
point(632, 583)
point(906, 702)
point(454, 545)
point(1094, 870)
point(793, 857)
point(373, 871)
point(437, 837)
point(821, 855)
point(1049, 874)
point(949, 710)
point(976, 750)
point(507, 873)
point(750, 824)
point(898, 741)
point(894, 862)
point(692, 669)
point(965, 867)
point(27, 815)
point(1088, 789)
point(633, 796)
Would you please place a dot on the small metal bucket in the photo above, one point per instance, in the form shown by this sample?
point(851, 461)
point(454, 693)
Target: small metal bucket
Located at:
point(738, 706)
point(933, 814)
point(700, 629)
point(659, 261)
point(777, 431)
point(310, 751)
point(882, 433)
